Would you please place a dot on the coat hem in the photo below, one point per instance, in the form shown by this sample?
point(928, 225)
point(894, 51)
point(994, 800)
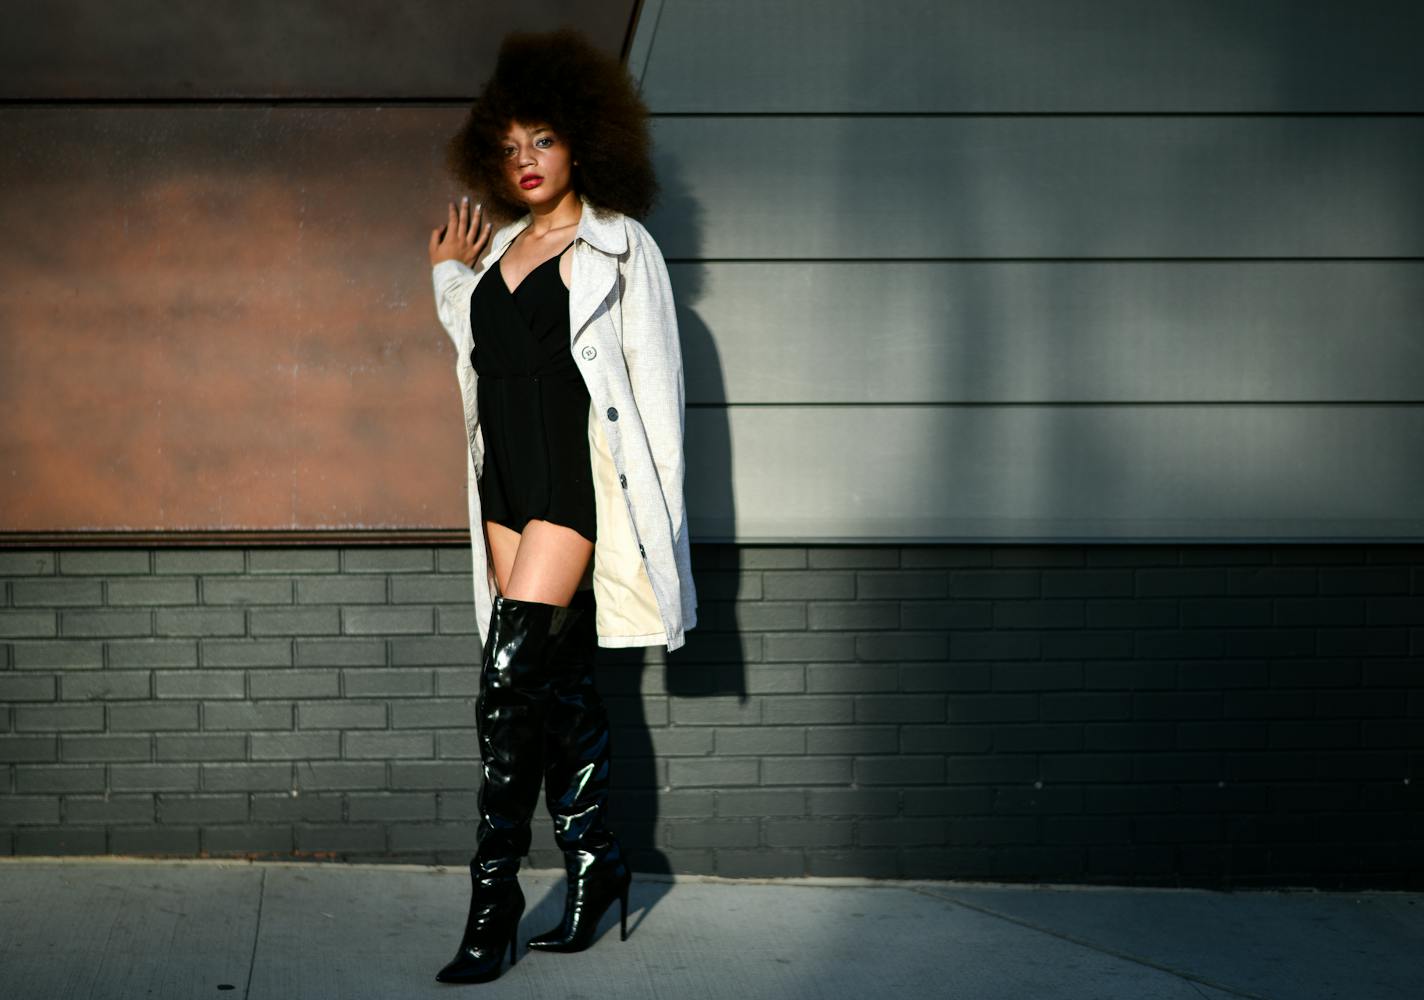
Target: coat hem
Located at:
point(624, 641)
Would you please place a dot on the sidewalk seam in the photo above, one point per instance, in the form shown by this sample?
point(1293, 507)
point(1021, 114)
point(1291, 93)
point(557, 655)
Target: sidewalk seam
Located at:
point(256, 933)
point(1190, 977)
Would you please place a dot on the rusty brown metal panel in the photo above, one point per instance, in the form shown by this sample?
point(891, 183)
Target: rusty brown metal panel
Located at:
point(220, 317)
point(141, 49)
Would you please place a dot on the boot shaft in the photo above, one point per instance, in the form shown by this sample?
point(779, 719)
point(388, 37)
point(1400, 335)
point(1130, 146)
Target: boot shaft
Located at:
point(520, 672)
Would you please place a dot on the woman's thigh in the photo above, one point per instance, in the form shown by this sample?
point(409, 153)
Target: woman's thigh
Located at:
point(546, 562)
point(503, 544)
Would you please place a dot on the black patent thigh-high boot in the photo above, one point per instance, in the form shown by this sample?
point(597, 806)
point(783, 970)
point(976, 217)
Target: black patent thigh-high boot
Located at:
point(510, 723)
point(576, 771)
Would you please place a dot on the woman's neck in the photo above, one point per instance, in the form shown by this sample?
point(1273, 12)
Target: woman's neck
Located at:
point(567, 211)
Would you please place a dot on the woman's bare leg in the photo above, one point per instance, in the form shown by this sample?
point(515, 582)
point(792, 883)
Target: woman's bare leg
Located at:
point(546, 562)
point(503, 543)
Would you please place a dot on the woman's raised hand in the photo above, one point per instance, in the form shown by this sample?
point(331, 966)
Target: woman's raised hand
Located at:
point(462, 238)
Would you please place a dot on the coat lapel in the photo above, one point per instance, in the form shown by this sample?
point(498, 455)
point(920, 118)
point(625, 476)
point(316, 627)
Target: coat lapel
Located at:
point(594, 275)
point(595, 271)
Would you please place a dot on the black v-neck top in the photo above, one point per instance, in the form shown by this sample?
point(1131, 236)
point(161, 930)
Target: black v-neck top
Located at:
point(525, 332)
point(533, 402)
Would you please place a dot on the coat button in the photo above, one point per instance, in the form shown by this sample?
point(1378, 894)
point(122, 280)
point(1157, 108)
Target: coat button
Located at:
point(640, 550)
point(622, 480)
point(589, 353)
point(613, 413)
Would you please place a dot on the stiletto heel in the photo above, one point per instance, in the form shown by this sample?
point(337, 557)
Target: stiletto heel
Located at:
point(514, 935)
point(623, 913)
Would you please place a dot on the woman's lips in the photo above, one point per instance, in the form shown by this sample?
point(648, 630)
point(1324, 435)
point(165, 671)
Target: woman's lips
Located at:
point(531, 182)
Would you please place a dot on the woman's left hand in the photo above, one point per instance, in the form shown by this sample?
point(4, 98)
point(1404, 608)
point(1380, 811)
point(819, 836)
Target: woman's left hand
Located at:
point(462, 238)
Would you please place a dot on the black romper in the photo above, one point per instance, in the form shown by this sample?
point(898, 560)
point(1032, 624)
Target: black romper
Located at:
point(533, 403)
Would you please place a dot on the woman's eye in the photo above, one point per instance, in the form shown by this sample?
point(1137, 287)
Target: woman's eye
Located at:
point(510, 150)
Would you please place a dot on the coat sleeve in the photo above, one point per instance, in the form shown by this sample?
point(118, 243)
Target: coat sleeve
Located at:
point(653, 354)
point(453, 282)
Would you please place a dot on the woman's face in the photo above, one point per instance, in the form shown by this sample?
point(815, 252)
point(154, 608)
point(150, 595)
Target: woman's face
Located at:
point(531, 151)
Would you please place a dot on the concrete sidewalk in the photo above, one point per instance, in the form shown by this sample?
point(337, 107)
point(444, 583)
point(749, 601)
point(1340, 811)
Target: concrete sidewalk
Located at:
point(92, 927)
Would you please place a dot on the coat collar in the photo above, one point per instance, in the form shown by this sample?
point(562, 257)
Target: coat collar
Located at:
point(607, 233)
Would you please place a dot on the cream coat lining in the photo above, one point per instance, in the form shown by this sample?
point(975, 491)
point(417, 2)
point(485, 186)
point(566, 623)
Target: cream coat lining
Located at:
point(627, 608)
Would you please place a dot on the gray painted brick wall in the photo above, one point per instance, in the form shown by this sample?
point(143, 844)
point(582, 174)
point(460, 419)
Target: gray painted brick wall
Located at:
point(1212, 715)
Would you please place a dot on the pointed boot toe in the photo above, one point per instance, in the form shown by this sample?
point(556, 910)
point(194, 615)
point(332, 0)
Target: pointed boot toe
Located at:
point(477, 963)
point(495, 909)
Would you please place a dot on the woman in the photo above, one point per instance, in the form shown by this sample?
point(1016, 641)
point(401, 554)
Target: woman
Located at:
point(570, 371)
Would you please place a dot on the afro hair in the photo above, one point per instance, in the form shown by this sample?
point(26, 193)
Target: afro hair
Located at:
point(591, 102)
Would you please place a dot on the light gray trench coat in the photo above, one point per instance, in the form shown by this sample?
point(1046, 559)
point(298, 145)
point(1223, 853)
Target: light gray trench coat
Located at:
point(624, 339)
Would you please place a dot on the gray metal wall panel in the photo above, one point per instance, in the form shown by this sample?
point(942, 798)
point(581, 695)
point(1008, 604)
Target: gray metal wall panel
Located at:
point(1069, 187)
point(1055, 331)
point(870, 204)
point(1037, 55)
point(1065, 473)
